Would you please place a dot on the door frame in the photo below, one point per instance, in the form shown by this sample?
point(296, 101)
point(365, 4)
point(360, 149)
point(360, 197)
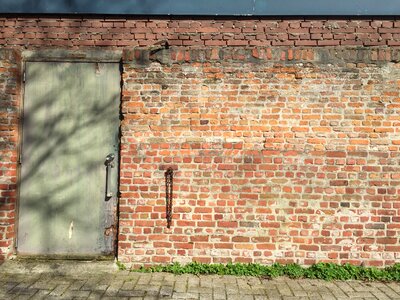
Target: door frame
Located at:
point(62, 56)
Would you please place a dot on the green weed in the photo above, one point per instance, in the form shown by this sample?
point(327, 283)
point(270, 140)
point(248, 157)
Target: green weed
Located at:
point(120, 265)
point(325, 271)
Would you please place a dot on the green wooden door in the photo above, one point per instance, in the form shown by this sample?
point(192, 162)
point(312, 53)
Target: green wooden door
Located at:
point(70, 125)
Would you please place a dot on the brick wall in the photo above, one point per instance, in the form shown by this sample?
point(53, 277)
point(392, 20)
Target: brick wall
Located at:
point(288, 155)
point(9, 109)
point(82, 32)
point(285, 146)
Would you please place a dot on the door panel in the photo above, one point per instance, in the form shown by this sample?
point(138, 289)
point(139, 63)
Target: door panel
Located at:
point(71, 123)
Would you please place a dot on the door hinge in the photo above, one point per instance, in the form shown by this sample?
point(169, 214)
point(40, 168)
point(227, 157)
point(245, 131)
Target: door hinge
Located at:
point(24, 76)
point(20, 158)
point(16, 243)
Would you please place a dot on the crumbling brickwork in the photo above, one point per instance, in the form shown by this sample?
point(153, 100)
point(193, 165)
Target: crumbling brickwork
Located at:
point(283, 135)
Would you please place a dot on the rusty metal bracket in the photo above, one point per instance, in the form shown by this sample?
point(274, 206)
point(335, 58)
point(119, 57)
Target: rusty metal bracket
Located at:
point(169, 188)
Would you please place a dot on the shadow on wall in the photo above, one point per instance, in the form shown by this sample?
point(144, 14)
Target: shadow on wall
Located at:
point(80, 6)
point(70, 124)
point(9, 102)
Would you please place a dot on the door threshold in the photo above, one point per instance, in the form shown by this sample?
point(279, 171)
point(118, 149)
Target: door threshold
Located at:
point(76, 257)
point(66, 267)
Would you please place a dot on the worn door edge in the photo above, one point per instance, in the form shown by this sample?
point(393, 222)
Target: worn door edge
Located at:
point(21, 82)
point(77, 56)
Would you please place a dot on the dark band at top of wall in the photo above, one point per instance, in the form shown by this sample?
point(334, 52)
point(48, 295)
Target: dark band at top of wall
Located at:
point(205, 7)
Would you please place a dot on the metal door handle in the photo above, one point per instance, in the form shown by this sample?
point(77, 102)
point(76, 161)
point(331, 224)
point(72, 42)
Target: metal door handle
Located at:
point(109, 164)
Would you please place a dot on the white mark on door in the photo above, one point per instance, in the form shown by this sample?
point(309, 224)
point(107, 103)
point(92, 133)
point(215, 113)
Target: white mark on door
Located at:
point(98, 69)
point(71, 229)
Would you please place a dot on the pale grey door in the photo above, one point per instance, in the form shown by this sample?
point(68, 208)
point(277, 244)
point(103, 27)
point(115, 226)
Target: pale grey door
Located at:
point(70, 125)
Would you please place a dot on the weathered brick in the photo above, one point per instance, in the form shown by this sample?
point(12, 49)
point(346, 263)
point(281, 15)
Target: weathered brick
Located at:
point(248, 178)
point(148, 32)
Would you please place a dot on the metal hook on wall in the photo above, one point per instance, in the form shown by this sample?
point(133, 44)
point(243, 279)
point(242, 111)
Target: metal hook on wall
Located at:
point(169, 187)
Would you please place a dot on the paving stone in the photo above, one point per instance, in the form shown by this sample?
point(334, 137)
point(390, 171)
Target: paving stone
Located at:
point(180, 287)
point(76, 294)
point(193, 282)
point(128, 285)
point(132, 293)
point(152, 294)
point(206, 282)
point(395, 286)
point(40, 294)
point(258, 291)
point(299, 293)
point(62, 281)
point(123, 285)
point(231, 289)
point(23, 285)
point(245, 291)
point(380, 296)
point(22, 297)
point(219, 296)
point(185, 296)
point(113, 289)
point(46, 284)
point(166, 291)
point(96, 295)
point(205, 296)
point(314, 296)
point(150, 298)
point(59, 290)
point(273, 294)
point(284, 289)
point(327, 296)
point(77, 285)
point(145, 279)
point(148, 288)
point(23, 291)
point(7, 286)
point(391, 293)
point(344, 286)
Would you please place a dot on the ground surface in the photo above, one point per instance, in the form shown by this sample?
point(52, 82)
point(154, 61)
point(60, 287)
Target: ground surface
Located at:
point(101, 280)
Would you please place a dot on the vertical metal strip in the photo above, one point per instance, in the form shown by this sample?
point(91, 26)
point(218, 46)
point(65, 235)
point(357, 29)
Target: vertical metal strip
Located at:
point(169, 187)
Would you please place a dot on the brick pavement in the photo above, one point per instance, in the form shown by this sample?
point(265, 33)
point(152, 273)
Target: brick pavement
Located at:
point(102, 281)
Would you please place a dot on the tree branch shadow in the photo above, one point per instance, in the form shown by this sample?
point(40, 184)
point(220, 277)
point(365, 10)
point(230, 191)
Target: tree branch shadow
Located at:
point(62, 203)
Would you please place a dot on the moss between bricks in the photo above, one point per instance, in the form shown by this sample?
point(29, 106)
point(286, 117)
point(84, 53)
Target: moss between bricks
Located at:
point(325, 271)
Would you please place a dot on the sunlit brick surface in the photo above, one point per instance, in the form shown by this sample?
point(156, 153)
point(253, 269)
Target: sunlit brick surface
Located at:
point(284, 135)
point(279, 155)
